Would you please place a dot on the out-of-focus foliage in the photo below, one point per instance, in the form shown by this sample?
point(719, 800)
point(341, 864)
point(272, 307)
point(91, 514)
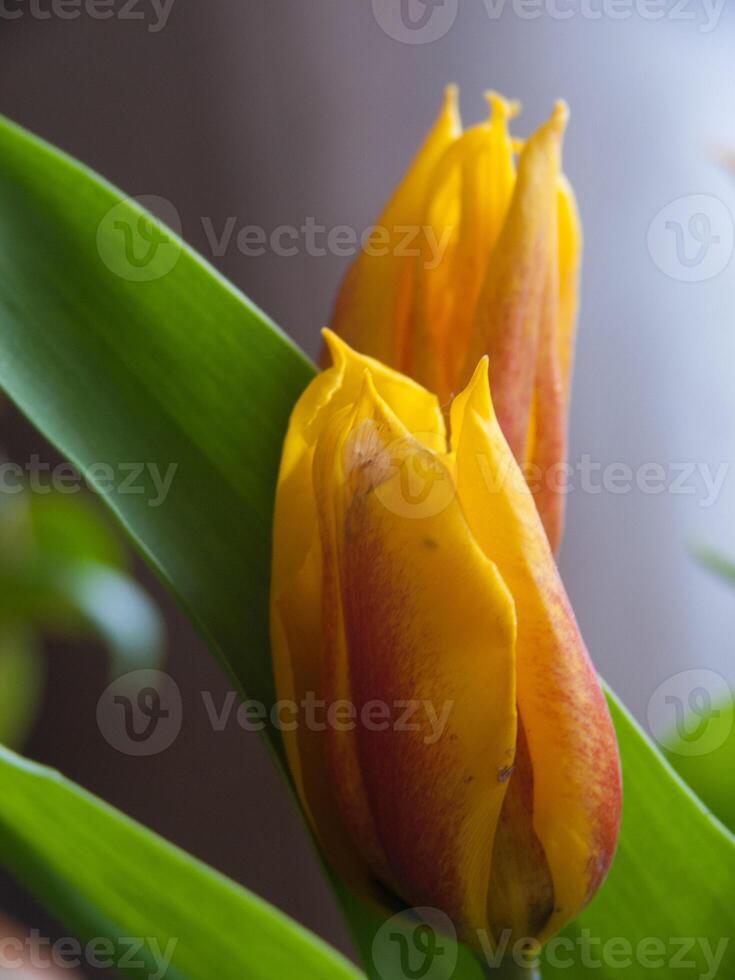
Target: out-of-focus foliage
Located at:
point(62, 571)
point(717, 562)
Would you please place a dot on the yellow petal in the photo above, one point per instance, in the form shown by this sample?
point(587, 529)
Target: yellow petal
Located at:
point(511, 304)
point(467, 201)
point(372, 307)
point(296, 586)
point(421, 619)
point(332, 477)
point(547, 439)
point(572, 752)
point(570, 248)
point(546, 443)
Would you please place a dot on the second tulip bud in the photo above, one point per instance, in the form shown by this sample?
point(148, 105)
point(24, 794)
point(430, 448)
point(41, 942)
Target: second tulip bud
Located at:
point(492, 268)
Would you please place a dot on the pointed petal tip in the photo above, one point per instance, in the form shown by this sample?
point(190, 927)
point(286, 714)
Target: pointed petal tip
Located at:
point(481, 371)
point(500, 107)
point(551, 132)
point(478, 389)
point(369, 400)
point(559, 116)
point(336, 347)
point(329, 337)
point(450, 107)
point(368, 385)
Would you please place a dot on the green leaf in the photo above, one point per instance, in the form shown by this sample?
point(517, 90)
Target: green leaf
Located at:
point(716, 562)
point(73, 528)
point(117, 609)
point(711, 774)
point(109, 877)
point(21, 679)
point(60, 570)
point(182, 369)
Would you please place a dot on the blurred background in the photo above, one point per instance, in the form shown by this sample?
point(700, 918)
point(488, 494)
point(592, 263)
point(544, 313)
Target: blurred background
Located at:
point(280, 114)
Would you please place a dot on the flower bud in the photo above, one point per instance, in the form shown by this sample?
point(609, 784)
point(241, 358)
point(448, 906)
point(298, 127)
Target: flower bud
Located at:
point(413, 581)
point(479, 255)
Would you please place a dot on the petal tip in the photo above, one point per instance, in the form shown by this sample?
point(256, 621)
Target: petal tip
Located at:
point(369, 401)
point(500, 107)
point(478, 389)
point(450, 107)
point(336, 347)
point(559, 116)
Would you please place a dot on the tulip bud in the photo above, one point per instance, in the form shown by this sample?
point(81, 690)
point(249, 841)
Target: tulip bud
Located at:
point(492, 269)
point(413, 571)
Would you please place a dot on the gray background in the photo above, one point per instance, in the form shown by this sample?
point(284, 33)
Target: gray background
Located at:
point(273, 112)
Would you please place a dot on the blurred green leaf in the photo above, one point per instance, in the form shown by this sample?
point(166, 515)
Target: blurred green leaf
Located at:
point(21, 679)
point(117, 610)
point(716, 562)
point(183, 369)
point(712, 774)
point(61, 570)
point(73, 527)
point(108, 876)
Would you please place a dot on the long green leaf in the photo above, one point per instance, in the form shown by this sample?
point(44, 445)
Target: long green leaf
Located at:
point(182, 369)
point(112, 879)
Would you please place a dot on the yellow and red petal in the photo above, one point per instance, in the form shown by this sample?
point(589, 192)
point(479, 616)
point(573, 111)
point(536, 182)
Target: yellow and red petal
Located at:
point(424, 620)
point(572, 750)
point(297, 626)
point(466, 205)
point(511, 302)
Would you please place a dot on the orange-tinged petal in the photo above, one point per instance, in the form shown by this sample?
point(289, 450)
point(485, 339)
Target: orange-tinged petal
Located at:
point(492, 267)
point(424, 619)
point(572, 751)
point(373, 304)
point(570, 248)
point(296, 589)
point(547, 440)
point(332, 478)
point(511, 305)
point(546, 444)
point(466, 205)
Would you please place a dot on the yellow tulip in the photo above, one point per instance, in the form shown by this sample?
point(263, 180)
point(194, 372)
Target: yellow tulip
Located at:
point(413, 570)
point(477, 256)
